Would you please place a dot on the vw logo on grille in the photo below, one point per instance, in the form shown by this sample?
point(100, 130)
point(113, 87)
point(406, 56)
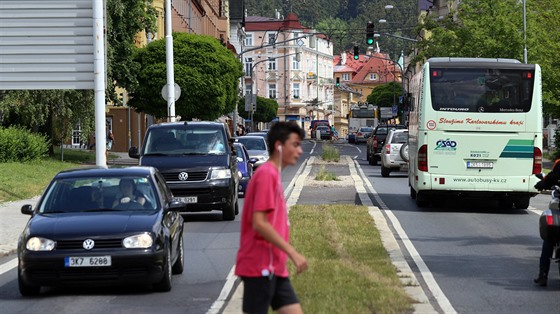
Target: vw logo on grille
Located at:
point(88, 244)
point(183, 176)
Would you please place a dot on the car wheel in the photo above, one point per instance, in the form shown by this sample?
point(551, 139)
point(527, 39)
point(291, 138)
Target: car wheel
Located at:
point(368, 157)
point(422, 200)
point(373, 160)
point(179, 265)
point(25, 289)
point(521, 203)
point(165, 284)
point(385, 171)
point(412, 193)
point(404, 152)
point(236, 208)
point(229, 213)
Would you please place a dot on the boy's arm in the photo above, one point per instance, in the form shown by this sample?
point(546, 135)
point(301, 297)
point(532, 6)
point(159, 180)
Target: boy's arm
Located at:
point(263, 227)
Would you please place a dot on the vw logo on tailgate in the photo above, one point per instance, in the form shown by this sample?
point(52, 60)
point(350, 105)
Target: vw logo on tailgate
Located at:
point(183, 176)
point(88, 244)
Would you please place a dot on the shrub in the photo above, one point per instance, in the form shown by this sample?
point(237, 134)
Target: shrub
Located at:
point(325, 175)
point(330, 153)
point(21, 145)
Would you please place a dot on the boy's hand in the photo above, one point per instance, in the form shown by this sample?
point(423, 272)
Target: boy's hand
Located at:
point(299, 261)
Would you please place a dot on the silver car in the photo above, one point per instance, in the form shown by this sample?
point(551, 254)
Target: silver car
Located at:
point(394, 154)
point(256, 146)
point(363, 133)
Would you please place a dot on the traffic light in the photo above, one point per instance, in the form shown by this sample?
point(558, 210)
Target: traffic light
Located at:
point(370, 32)
point(356, 53)
point(338, 82)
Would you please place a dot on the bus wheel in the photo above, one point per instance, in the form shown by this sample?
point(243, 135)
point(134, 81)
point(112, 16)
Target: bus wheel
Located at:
point(521, 203)
point(412, 193)
point(505, 203)
point(421, 200)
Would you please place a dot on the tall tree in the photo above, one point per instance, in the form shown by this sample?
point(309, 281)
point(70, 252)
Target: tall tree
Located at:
point(266, 109)
point(385, 95)
point(206, 71)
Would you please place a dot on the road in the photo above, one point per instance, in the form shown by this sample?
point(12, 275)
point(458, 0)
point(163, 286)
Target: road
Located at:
point(482, 259)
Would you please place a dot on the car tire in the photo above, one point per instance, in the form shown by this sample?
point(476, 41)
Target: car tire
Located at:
point(179, 265)
point(521, 203)
point(164, 284)
point(385, 171)
point(368, 157)
point(373, 160)
point(25, 289)
point(229, 213)
point(412, 193)
point(422, 201)
point(404, 152)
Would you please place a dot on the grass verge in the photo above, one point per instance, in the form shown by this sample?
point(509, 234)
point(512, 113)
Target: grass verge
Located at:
point(29, 179)
point(349, 269)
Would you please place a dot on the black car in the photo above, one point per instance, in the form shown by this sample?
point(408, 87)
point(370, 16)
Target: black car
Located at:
point(198, 163)
point(102, 226)
point(376, 140)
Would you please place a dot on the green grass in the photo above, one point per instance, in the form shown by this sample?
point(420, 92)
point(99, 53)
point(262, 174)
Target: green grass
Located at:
point(349, 269)
point(330, 153)
point(324, 175)
point(29, 179)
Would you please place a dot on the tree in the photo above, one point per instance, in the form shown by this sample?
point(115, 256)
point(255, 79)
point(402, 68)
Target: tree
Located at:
point(206, 71)
point(266, 109)
point(385, 95)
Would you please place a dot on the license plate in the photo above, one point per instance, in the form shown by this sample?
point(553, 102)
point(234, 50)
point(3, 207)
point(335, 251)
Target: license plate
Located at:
point(189, 199)
point(480, 164)
point(90, 261)
point(404, 167)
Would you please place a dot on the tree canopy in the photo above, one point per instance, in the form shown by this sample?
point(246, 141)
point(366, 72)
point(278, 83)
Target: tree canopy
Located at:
point(385, 95)
point(206, 71)
point(266, 109)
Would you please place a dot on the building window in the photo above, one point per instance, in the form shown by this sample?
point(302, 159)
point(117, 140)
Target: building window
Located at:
point(272, 91)
point(271, 64)
point(373, 76)
point(249, 40)
point(346, 76)
point(77, 135)
point(271, 39)
point(248, 66)
point(295, 90)
point(295, 63)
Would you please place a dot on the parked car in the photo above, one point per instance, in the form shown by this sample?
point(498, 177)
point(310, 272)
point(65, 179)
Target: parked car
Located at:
point(257, 148)
point(351, 137)
point(101, 226)
point(362, 134)
point(376, 141)
point(197, 162)
point(315, 124)
point(394, 155)
point(245, 167)
point(324, 131)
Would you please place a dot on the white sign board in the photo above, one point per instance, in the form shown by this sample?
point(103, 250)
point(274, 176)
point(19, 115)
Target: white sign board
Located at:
point(46, 44)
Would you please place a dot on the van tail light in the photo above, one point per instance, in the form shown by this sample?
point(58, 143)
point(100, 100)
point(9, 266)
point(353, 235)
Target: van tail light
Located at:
point(388, 149)
point(549, 218)
point(423, 158)
point(537, 160)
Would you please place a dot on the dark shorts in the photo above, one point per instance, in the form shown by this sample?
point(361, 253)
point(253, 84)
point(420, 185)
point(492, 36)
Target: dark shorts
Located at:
point(261, 292)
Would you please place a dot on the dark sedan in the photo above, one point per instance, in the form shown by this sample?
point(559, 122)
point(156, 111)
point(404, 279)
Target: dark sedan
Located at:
point(102, 226)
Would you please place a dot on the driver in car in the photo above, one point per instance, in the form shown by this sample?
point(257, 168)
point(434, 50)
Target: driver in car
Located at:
point(128, 194)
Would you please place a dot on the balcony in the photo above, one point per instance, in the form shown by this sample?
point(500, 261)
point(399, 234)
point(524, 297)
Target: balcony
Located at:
point(311, 76)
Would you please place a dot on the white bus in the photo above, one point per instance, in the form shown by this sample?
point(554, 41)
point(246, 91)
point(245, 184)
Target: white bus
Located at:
point(475, 130)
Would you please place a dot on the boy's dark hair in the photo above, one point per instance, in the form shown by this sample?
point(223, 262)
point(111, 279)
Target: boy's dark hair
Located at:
point(281, 131)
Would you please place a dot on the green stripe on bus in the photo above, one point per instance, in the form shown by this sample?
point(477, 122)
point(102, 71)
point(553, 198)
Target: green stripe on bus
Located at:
point(516, 155)
point(520, 142)
point(511, 148)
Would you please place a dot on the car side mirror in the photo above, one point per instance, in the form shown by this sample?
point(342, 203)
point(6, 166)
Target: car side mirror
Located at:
point(175, 205)
point(27, 209)
point(253, 160)
point(133, 152)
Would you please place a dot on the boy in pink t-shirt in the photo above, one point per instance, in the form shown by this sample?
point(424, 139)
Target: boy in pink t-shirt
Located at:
point(264, 246)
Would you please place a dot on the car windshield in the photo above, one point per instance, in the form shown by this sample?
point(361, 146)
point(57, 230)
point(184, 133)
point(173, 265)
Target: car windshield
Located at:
point(88, 194)
point(185, 140)
point(366, 129)
point(399, 137)
point(252, 143)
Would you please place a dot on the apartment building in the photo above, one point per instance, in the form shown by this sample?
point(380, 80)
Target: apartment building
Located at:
point(273, 69)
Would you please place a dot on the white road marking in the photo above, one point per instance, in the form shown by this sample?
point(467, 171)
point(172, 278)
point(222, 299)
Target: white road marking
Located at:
point(9, 265)
point(425, 272)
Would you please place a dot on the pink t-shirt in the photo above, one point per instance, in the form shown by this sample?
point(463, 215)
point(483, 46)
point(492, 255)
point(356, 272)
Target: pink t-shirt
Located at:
point(256, 256)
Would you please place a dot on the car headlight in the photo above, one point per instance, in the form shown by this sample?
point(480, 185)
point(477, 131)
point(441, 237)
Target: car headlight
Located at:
point(40, 244)
point(138, 241)
point(220, 174)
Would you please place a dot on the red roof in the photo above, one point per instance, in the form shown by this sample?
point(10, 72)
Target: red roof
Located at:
point(375, 63)
point(260, 23)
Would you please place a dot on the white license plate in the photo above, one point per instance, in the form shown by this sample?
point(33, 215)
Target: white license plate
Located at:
point(90, 261)
point(188, 199)
point(480, 164)
point(404, 167)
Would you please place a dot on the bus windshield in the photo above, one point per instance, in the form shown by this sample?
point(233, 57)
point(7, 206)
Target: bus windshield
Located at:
point(481, 90)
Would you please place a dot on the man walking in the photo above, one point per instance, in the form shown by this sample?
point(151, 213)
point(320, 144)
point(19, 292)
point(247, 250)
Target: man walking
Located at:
point(264, 245)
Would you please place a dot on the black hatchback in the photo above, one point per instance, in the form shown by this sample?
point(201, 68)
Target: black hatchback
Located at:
point(102, 226)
